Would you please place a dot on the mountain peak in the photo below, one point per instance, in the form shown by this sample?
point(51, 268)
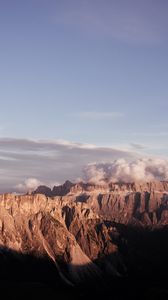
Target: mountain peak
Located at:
point(79, 187)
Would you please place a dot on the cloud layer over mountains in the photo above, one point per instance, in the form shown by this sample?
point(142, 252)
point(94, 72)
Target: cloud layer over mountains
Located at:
point(24, 164)
point(127, 171)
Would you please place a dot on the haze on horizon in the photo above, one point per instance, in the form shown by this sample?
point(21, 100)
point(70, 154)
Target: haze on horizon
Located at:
point(82, 83)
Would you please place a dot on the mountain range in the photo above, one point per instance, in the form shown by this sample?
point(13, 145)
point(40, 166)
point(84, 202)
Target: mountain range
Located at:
point(78, 236)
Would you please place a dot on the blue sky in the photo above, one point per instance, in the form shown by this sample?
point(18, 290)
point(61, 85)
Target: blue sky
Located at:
point(88, 71)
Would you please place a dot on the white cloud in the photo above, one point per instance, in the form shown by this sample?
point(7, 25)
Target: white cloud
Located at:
point(30, 184)
point(143, 169)
point(71, 144)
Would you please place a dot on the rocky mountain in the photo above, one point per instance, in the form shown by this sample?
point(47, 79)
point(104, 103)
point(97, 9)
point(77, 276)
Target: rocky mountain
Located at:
point(87, 233)
point(142, 202)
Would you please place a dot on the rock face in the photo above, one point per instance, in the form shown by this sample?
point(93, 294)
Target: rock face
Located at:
point(67, 232)
point(84, 229)
point(60, 190)
point(143, 202)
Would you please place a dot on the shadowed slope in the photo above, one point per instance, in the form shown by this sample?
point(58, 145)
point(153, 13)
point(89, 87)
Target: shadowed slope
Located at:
point(145, 273)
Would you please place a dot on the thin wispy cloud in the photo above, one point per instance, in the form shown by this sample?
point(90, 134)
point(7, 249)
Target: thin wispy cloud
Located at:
point(138, 146)
point(151, 134)
point(95, 115)
point(142, 22)
point(160, 126)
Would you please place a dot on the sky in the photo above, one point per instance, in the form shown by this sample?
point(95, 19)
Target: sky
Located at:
point(80, 74)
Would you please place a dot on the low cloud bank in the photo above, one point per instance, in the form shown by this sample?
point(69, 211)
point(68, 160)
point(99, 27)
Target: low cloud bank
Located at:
point(122, 170)
point(28, 185)
point(119, 170)
point(26, 163)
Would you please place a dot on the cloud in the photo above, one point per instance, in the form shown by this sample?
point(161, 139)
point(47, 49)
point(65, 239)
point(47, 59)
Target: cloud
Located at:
point(29, 184)
point(94, 115)
point(49, 161)
point(25, 164)
point(122, 170)
point(138, 146)
point(151, 134)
